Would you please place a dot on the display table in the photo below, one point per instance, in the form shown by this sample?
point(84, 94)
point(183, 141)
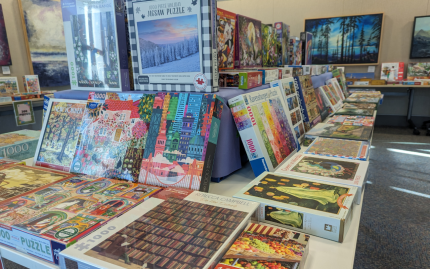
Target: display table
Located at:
point(227, 156)
point(324, 254)
point(24, 259)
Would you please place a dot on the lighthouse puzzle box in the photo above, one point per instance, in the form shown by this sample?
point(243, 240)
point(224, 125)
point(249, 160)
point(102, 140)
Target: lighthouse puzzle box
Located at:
point(46, 221)
point(96, 44)
point(174, 45)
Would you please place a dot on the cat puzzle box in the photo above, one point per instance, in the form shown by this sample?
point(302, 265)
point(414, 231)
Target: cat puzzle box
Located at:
point(19, 145)
point(306, 205)
point(46, 221)
point(177, 228)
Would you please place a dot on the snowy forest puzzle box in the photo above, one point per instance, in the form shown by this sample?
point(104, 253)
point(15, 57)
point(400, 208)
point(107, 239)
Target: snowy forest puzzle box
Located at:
point(306, 205)
point(96, 45)
point(174, 45)
point(46, 221)
point(19, 145)
point(176, 228)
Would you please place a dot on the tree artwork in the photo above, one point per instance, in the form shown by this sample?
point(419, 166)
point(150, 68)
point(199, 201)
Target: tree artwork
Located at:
point(346, 40)
point(61, 133)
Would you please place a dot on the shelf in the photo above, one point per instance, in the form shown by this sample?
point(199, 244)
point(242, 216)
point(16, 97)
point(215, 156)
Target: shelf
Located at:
point(389, 86)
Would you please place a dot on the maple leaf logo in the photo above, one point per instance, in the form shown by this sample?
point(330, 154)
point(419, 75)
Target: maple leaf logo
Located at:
point(137, 10)
point(200, 81)
point(194, 2)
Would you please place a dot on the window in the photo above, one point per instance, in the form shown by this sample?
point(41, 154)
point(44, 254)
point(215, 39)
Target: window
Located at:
point(118, 133)
point(106, 116)
point(122, 117)
point(103, 132)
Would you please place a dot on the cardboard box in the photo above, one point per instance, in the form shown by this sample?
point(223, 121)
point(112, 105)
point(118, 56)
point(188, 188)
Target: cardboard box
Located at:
point(228, 79)
point(19, 145)
point(335, 170)
point(285, 72)
point(311, 206)
point(286, 248)
point(48, 220)
point(392, 71)
point(177, 228)
point(269, 75)
point(250, 79)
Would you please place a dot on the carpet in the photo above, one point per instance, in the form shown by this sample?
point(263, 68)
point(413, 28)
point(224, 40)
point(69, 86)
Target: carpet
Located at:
point(395, 220)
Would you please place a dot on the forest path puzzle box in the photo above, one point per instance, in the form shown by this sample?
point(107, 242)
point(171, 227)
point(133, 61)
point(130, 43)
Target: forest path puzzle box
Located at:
point(60, 130)
point(306, 205)
point(176, 228)
point(174, 45)
point(58, 215)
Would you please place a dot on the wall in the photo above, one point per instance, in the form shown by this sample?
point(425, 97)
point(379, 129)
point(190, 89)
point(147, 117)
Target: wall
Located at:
point(396, 37)
point(399, 16)
point(15, 36)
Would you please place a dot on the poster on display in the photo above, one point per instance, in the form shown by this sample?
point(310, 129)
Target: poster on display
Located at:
point(24, 113)
point(420, 38)
point(8, 86)
point(5, 57)
point(173, 48)
point(346, 39)
point(96, 44)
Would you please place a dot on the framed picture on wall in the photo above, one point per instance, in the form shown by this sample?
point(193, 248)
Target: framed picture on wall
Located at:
point(48, 59)
point(5, 58)
point(420, 44)
point(346, 40)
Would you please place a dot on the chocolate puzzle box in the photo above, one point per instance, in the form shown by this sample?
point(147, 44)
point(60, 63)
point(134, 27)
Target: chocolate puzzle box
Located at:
point(46, 221)
point(305, 205)
point(177, 228)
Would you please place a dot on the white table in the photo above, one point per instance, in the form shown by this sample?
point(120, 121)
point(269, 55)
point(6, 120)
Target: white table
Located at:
point(25, 259)
point(323, 253)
